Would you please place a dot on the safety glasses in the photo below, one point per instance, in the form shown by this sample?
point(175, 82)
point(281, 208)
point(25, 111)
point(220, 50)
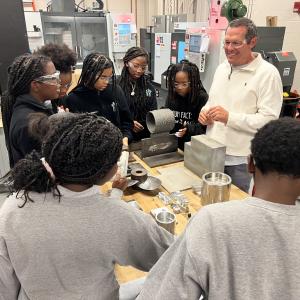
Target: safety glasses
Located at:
point(138, 67)
point(181, 85)
point(52, 79)
point(234, 44)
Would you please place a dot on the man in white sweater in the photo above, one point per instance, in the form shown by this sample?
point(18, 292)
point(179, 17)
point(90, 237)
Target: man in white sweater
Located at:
point(242, 249)
point(246, 93)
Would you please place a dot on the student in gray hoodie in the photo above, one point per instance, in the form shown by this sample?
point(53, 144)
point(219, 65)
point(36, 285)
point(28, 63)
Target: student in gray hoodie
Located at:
point(60, 238)
point(242, 249)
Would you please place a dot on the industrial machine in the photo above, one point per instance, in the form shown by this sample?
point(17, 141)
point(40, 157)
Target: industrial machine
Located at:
point(84, 32)
point(121, 36)
point(269, 44)
point(165, 23)
point(204, 47)
point(177, 53)
point(162, 54)
point(233, 9)
point(285, 62)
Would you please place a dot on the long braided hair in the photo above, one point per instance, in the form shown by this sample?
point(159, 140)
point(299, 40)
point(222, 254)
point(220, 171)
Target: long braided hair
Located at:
point(21, 73)
point(79, 148)
point(194, 78)
point(93, 66)
point(138, 103)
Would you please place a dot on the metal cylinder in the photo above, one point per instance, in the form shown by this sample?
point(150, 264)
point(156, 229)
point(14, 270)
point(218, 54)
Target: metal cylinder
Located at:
point(166, 220)
point(139, 174)
point(215, 187)
point(160, 120)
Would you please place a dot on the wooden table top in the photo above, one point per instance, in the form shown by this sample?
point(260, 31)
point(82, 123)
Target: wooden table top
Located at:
point(149, 201)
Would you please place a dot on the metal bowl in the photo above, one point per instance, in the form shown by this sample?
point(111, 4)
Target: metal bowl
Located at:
point(152, 183)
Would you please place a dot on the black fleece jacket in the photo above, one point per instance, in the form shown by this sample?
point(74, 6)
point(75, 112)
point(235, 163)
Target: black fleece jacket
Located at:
point(109, 103)
point(20, 141)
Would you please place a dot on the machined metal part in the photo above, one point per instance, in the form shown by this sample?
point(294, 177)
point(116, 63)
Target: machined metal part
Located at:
point(160, 120)
point(216, 187)
point(163, 159)
point(159, 144)
point(151, 184)
point(139, 174)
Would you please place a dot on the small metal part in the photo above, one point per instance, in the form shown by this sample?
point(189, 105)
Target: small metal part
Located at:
point(176, 209)
point(164, 198)
point(139, 174)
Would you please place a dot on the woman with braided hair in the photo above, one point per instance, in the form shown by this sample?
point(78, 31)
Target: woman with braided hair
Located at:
point(98, 92)
point(138, 89)
point(59, 236)
point(32, 79)
point(186, 97)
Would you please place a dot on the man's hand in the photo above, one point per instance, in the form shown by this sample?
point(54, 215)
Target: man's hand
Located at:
point(204, 118)
point(218, 113)
point(137, 127)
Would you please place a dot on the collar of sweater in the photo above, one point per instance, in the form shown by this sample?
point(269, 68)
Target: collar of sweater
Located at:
point(28, 100)
point(251, 67)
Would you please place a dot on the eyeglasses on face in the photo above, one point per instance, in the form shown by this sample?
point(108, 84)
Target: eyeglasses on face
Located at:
point(234, 44)
point(66, 86)
point(52, 79)
point(137, 67)
point(182, 84)
point(106, 78)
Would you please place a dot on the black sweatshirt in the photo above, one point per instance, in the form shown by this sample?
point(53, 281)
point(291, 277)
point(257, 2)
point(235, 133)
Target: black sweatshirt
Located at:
point(188, 113)
point(151, 104)
point(20, 141)
point(109, 104)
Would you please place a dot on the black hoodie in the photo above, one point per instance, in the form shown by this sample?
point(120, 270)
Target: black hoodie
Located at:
point(20, 141)
point(186, 115)
point(108, 103)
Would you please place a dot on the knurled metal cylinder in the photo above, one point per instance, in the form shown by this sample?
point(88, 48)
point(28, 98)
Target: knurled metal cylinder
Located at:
point(160, 120)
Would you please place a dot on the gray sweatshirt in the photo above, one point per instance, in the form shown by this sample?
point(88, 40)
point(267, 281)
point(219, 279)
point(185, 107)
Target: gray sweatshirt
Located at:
point(68, 249)
point(237, 250)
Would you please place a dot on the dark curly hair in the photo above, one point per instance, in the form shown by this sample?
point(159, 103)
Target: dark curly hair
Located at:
point(62, 56)
point(21, 73)
point(196, 86)
point(276, 147)
point(93, 66)
point(138, 103)
point(80, 149)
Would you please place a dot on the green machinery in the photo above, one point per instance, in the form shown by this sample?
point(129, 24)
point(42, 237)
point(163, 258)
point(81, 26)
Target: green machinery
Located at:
point(233, 9)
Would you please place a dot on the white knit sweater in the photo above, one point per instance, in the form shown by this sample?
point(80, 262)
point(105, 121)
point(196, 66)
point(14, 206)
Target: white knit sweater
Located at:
point(252, 94)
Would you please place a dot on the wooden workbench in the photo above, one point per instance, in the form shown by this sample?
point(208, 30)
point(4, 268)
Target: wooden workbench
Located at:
point(149, 200)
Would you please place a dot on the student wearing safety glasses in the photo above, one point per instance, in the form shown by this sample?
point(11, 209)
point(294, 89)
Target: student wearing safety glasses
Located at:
point(138, 89)
point(32, 79)
point(64, 60)
point(186, 97)
point(97, 92)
